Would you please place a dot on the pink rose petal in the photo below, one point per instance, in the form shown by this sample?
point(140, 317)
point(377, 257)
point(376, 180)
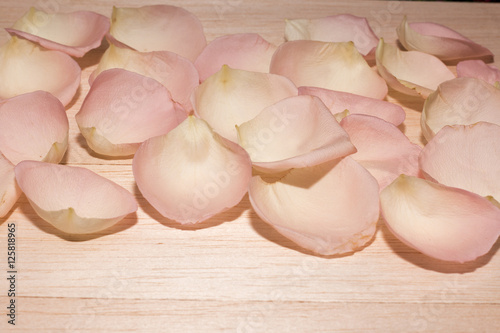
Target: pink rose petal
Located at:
point(9, 190)
point(479, 70)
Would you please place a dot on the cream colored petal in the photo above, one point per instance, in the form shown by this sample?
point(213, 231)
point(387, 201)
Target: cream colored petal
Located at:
point(123, 109)
point(331, 208)
point(462, 101)
point(27, 67)
point(442, 222)
point(159, 28)
point(33, 126)
point(191, 173)
point(74, 200)
point(479, 70)
point(295, 132)
point(334, 66)
point(412, 73)
point(73, 33)
point(232, 96)
point(9, 191)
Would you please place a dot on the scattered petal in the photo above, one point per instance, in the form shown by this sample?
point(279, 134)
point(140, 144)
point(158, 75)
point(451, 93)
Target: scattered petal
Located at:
point(232, 96)
point(74, 200)
point(9, 191)
point(73, 33)
point(123, 109)
point(295, 132)
point(442, 222)
point(381, 148)
point(159, 28)
point(338, 102)
point(26, 67)
point(479, 70)
point(191, 173)
point(440, 41)
point(334, 66)
point(462, 101)
point(33, 126)
point(412, 73)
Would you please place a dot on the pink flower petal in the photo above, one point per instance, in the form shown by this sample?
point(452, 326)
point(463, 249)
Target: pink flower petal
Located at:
point(123, 109)
point(191, 173)
point(33, 126)
point(412, 73)
point(440, 41)
point(159, 28)
point(331, 208)
point(9, 191)
point(381, 148)
point(336, 28)
point(442, 222)
point(334, 66)
point(479, 70)
point(73, 33)
point(247, 51)
point(26, 67)
point(176, 73)
point(73, 199)
point(232, 96)
point(338, 102)
point(295, 132)
point(465, 156)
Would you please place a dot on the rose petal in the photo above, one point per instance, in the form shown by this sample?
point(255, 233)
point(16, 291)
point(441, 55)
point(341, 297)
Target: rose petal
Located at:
point(336, 28)
point(232, 96)
point(176, 73)
point(295, 132)
point(466, 157)
point(442, 222)
point(73, 199)
point(191, 173)
point(73, 33)
point(334, 66)
point(159, 28)
point(381, 148)
point(331, 208)
point(440, 41)
point(247, 51)
point(33, 126)
point(9, 191)
point(26, 67)
point(462, 101)
point(412, 73)
point(123, 109)
point(479, 70)
point(338, 102)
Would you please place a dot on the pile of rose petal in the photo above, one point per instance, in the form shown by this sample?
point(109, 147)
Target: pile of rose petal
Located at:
point(302, 127)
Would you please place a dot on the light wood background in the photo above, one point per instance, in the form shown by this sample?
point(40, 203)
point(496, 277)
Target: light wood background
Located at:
point(235, 273)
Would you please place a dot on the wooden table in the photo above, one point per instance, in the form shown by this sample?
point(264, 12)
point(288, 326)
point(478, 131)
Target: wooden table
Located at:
point(235, 273)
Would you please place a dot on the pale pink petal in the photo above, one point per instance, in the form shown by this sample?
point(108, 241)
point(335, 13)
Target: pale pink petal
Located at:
point(123, 109)
point(381, 148)
point(176, 73)
point(33, 126)
point(440, 41)
point(442, 222)
point(465, 156)
point(74, 200)
point(9, 191)
point(232, 96)
point(479, 70)
point(73, 33)
point(159, 28)
point(191, 173)
point(338, 102)
point(336, 28)
point(412, 73)
point(334, 66)
point(247, 51)
point(462, 101)
point(331, 208)
point(295, 132)
point(27, 67)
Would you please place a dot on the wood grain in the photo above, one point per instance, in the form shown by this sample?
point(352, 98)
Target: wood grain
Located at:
point(235, 273)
